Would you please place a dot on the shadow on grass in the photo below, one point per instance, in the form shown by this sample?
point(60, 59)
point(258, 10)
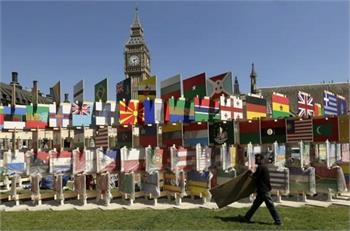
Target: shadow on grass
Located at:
point(239, 220)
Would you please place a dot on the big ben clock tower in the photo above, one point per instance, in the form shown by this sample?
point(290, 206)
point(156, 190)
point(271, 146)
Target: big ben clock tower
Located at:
point(136, 56)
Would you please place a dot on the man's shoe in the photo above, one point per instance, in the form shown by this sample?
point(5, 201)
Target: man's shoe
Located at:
point(277, 223)
point(244, 219)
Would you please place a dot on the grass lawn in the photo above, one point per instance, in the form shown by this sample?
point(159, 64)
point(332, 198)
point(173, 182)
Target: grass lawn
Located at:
point(306, 218)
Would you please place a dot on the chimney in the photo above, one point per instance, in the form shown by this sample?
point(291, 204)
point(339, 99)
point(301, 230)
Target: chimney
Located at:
point(14, 78)
point(66, 100)
point(35, 92)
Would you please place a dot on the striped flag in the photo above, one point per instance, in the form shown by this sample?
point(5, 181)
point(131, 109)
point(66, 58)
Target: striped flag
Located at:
point(132, 160)
point(101, 138)
point(170, 87)
point(203, 156)
point(15, 162)
point(330, 103)
point(148, 135)
point(255, 106)
point(79, 161)
point(176, 109)
point(182, 159)
point(37, 116)
point(206, 110)
point(305, 104)
point(318, 110)
point(14, 117)
point(342, 105)
point(60, 162)
point(195, 133)
point(299, 130)
point(231, 108)
point(280, 105)
point(172, 134)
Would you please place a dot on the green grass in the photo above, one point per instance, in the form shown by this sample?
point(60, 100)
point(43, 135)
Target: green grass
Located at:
point(306, 218)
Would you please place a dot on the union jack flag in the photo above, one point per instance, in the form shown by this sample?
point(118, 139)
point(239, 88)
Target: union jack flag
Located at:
point(84, 109)
point(305, 104)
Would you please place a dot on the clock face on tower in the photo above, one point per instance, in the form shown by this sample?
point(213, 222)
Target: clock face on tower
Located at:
point(134, 60)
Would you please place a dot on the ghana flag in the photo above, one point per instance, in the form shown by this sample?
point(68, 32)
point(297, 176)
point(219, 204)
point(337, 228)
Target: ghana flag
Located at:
point(194, 86)
point(255, 106)
point(249, 131)
point(325, 128)
point(280, 105)
point(273, 130)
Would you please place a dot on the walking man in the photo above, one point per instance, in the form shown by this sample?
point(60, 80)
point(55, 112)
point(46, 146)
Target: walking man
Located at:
point(263, 185)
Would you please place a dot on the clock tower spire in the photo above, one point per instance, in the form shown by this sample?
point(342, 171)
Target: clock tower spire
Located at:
point(136, 56)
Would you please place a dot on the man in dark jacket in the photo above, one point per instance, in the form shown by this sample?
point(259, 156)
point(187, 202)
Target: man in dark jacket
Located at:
point(263, 185)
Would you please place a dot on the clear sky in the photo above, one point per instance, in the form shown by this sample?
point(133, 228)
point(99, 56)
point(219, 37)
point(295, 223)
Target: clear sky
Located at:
point(290, 42)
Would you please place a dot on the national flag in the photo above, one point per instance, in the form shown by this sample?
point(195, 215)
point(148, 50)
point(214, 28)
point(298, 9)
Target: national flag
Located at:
point(124, 136)
point(194, 86)
point(280, 105)
point(255, 106)
point(147, 88)
point(342, 105)
point(176, 109)
point(154, 159)
point(344, 128)
point(102, 137)
point(318, 110)
point(15, 162)
point(305, 104)
point(206, 109)
point(100, 114)
point(2, 117)
point(170, 87)
point(148, 135)
point(273, 130)
point(330, 103)
point(150, 183)
point(123, 89)
point(131, 112)
point(60, 119)
point(101, 89)
point(231, 108)
point(172, 134)
point(182, 159)
point(78, 92)
point(37, 116)
point(149, 110)
point(126, 183)
point(325, 128)
point(189, 111)
point(60, 162)
point(249, 131)
point(79, 161)
point(195, 133)
point(90, 161)
point(132, 160)
point(221, 132)
point(159, 110)
point(203, 157)
point(106, 160)
point(56, 93)
point(81, 114)
point(219, 85)
point(299, 130)
point(14, 117)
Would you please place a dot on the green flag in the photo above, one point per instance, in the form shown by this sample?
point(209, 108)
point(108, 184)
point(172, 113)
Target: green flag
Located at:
point(101, 91)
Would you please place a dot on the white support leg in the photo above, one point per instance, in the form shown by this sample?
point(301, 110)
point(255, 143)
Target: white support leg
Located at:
point(155, 201)
point(62, 201)
point(303, 198)
point(329, 198)
point(278, 197)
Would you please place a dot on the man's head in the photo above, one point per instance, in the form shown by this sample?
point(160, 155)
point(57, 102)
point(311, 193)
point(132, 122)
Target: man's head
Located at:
point(259, 159)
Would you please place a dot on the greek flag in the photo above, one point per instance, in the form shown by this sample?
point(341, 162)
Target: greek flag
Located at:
point(330, 103)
